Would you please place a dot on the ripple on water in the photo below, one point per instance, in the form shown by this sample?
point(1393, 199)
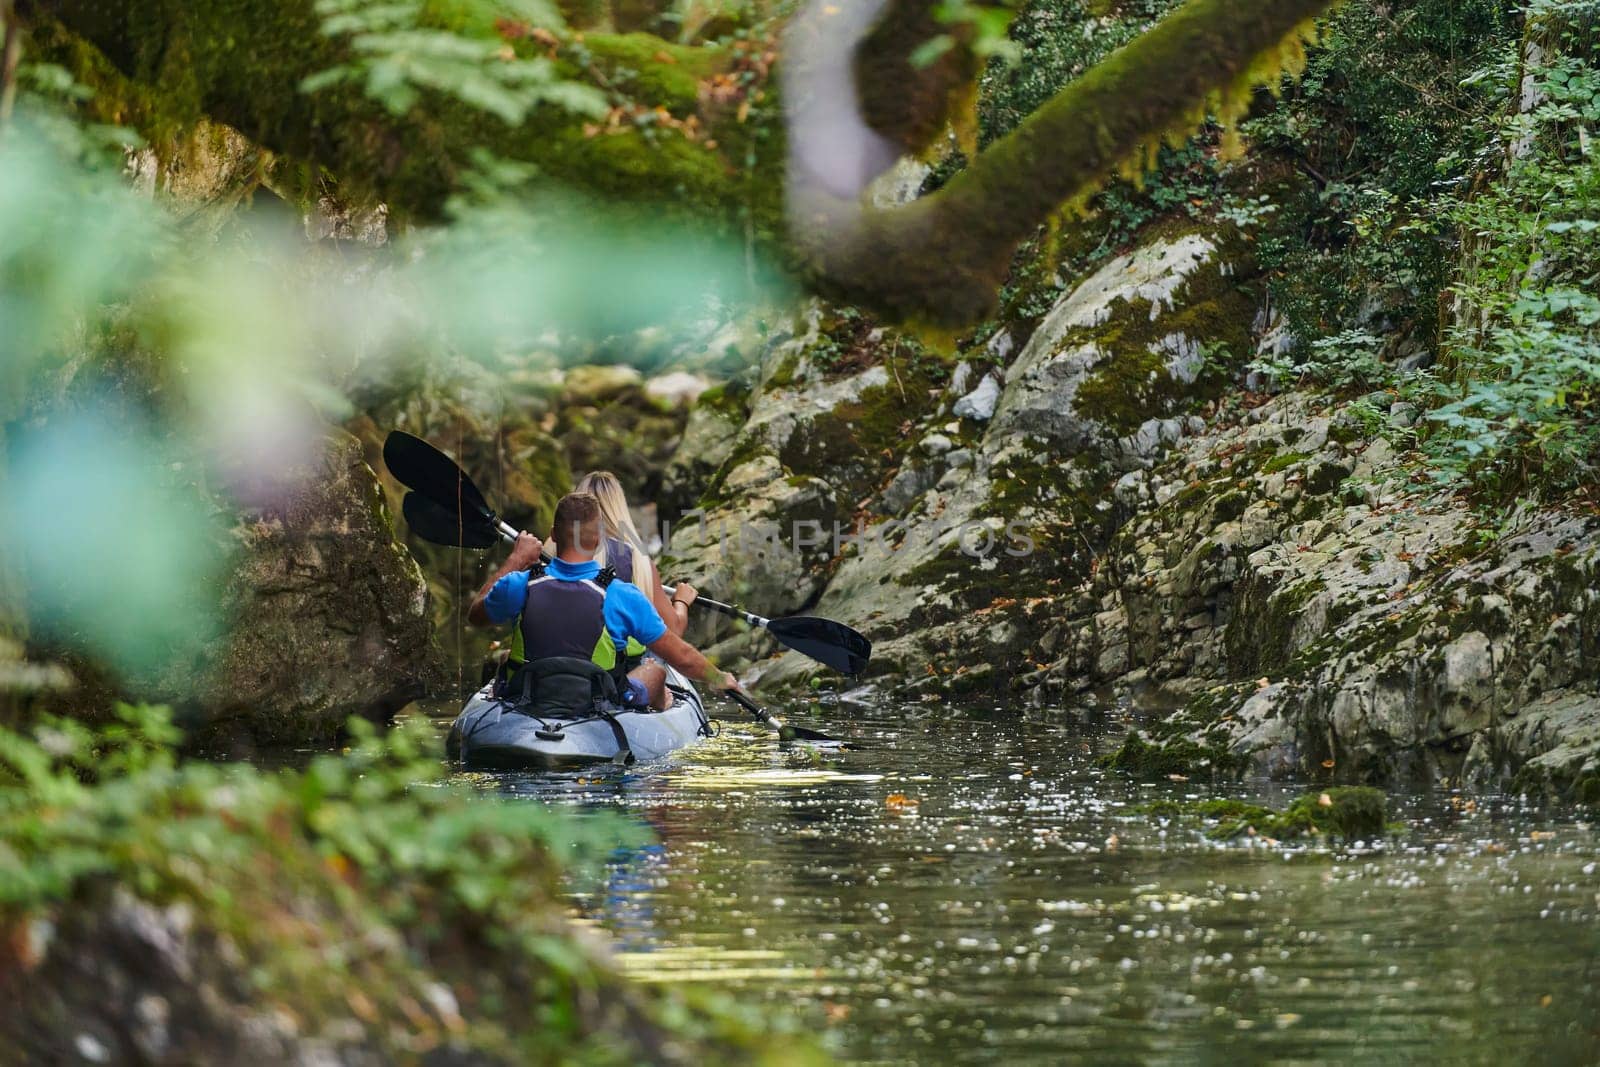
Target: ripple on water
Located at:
point(968, 887)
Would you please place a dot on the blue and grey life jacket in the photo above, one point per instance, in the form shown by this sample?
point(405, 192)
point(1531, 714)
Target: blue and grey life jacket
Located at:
point(572, 666)
point(619, 565)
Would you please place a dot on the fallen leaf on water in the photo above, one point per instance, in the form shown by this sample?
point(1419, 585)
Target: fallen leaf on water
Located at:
point(1178, 777)
point(836, 1013)
point(1544, 1001)
point(1541, 835)
point(900, 802)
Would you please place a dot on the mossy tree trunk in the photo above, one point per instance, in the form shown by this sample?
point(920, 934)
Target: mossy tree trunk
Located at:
point(938, 259)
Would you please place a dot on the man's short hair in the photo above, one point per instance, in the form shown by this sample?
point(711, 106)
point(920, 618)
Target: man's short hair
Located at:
point(577, 522)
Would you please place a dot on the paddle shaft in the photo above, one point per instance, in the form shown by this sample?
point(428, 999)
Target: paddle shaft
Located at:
point(784, 730)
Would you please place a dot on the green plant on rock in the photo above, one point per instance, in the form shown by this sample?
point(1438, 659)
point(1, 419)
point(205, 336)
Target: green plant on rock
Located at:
point(1350, 813)
point(1144, 757)
point(394, 58)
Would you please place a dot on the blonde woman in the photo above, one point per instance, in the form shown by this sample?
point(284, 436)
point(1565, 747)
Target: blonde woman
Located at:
point(622, 549)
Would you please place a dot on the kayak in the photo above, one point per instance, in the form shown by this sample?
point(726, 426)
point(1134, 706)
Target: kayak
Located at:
point(492, 733)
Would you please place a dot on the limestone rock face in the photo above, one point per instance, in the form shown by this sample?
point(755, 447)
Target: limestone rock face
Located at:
point(1303, 619)
point(777, 473)
point(1012, 501)
point(330, 614)
point(1115, 350)
point(708, 441)
point(1126, 526)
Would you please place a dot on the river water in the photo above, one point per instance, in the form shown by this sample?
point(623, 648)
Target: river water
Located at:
point(967, 887)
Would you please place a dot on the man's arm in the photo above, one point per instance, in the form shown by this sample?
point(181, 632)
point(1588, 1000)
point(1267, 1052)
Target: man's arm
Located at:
point(524, 554)
point(684, 656)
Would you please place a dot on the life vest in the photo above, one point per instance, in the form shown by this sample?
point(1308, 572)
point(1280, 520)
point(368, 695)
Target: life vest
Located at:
point(619, 562)
point(624, 559)
point(566, 619)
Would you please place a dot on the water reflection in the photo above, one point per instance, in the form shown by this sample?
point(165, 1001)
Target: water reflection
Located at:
point(971, 888)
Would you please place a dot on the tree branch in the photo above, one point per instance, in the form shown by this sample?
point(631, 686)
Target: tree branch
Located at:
point(941, 259)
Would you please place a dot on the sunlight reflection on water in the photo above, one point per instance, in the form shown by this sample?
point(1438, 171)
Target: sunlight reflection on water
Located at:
point(971, 888)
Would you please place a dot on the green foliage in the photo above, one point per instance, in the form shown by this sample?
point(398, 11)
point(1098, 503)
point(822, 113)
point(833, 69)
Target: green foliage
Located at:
point(1391, 112)
point(1349, 359)
point(367, 874)
point(395, 58)
point(1142, 757)
point(988, 25)
point(1517, 398)
point(1060, 41)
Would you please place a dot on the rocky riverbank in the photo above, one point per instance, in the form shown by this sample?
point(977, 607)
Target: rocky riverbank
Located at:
point(1092, 510)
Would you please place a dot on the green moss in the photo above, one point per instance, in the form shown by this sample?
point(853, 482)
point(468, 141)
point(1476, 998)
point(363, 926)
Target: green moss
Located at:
point(1259, 634)
point(1326, 478)
point(730, 400)
point(1283, 462)
point(1145, 758)
point(1229, 506)
point(1348, 812)
point(1351, 812)
point(651, 69)
point(783, 375)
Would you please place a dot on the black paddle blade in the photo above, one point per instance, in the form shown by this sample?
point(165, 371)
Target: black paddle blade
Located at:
point(444, 527)
point(420, 466)
point(828, 642)
point(800, 733)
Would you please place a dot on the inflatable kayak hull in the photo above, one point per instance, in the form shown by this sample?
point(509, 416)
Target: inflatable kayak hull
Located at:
point(493, 734)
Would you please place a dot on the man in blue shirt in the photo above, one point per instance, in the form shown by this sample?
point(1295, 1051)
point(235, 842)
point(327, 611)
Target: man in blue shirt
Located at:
point(566, 611)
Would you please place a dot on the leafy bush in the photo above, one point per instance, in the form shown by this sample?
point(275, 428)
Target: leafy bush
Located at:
point(1517, 396)
point(1393, 110)
point(366, 879)
point(1348, 359)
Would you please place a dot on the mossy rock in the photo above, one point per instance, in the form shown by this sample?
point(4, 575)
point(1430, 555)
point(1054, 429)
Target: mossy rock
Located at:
point(649, 68)
point(1283, 461)
point(1351, 813)
point(1144, 758)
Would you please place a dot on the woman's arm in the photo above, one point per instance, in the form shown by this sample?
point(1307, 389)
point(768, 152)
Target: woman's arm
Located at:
point(674, 608)
point(688, 659)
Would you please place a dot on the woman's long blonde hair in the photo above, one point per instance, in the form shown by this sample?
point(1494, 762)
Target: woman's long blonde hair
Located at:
point(616, 521)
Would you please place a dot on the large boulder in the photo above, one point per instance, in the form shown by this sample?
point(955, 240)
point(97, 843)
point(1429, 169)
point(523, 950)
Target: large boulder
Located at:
point(776, 473)
point(1011, 502)
point(330, 615)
